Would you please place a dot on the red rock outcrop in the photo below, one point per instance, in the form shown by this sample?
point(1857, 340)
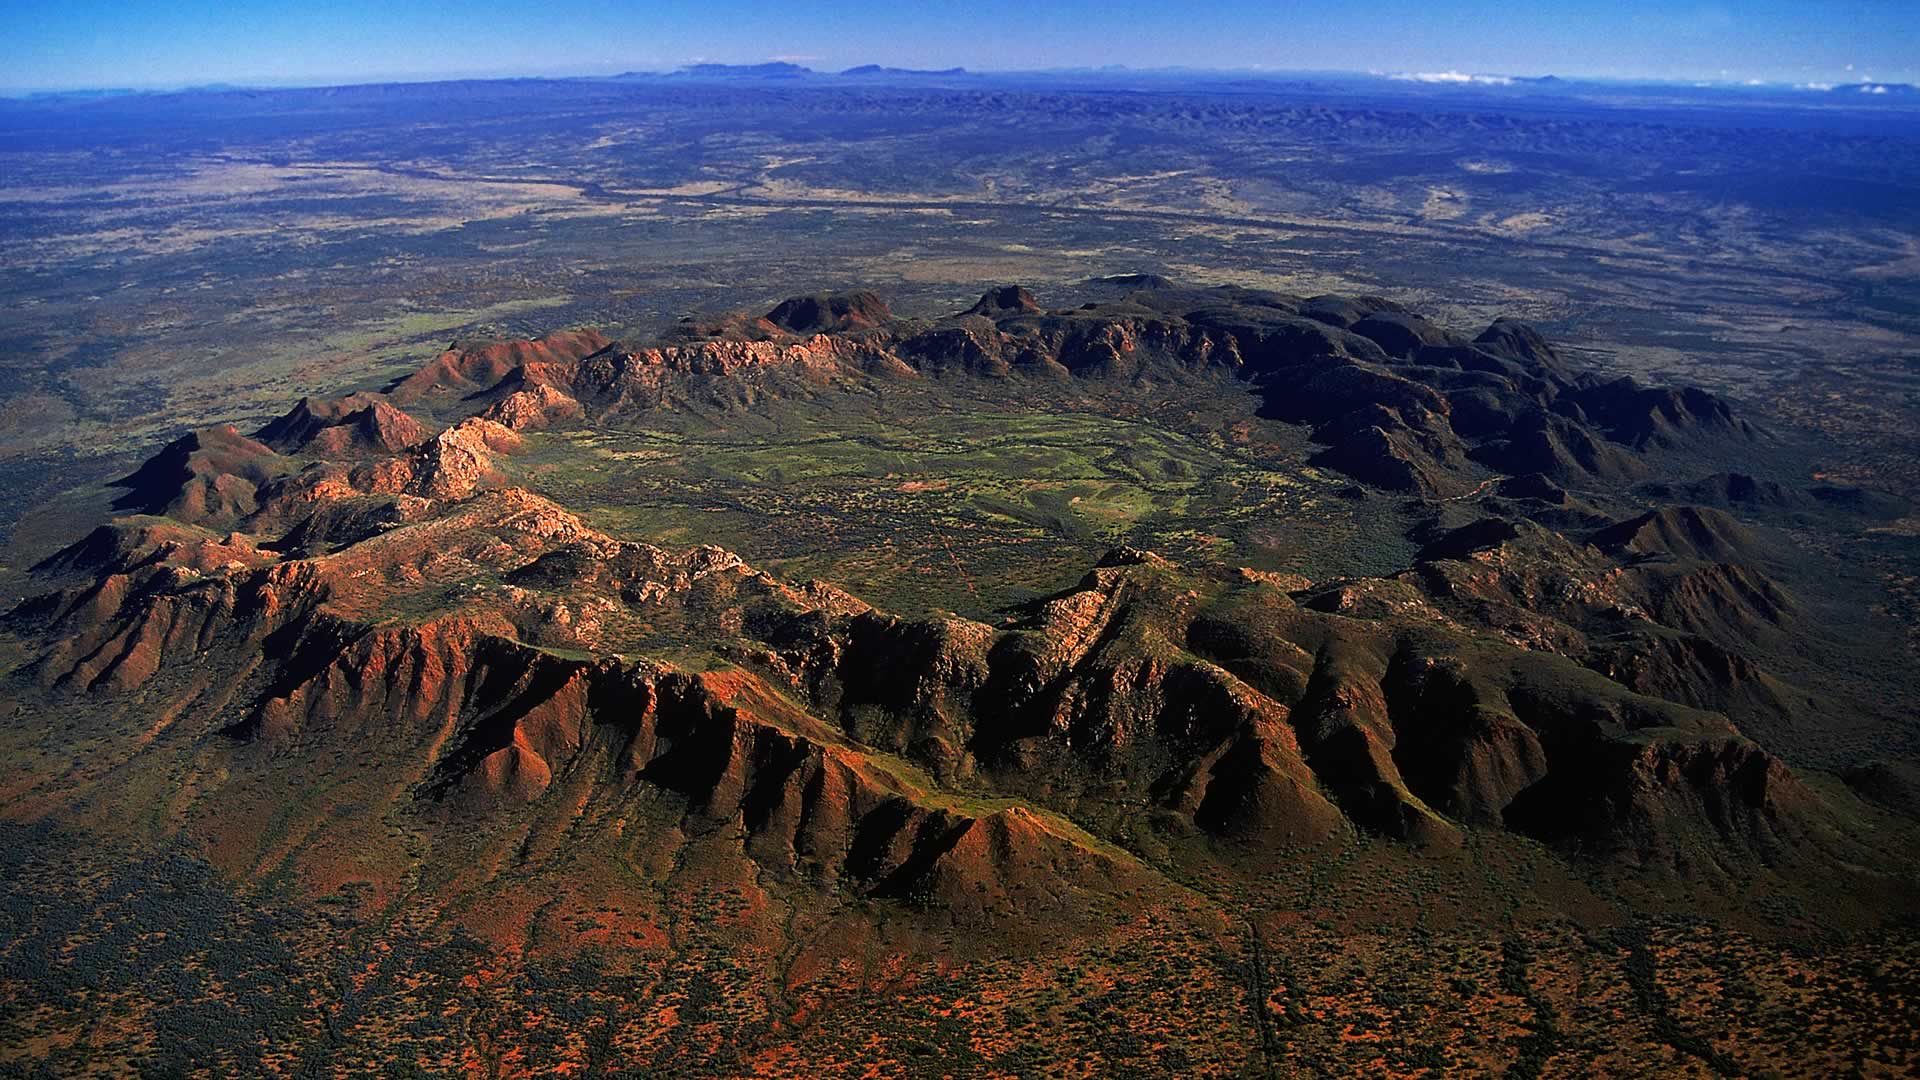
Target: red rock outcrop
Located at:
point(211, 476)
point(458, 372)
point(389, 592)
point(355, 424)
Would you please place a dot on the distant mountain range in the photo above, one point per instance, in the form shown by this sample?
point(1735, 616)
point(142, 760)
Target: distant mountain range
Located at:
point(789, 72)
point(876, 69)
point(780, 69)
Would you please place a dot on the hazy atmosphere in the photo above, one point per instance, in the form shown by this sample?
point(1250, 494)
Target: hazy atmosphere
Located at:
point(150, 43)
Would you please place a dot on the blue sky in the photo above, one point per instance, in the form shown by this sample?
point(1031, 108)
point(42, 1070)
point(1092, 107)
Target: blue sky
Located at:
point(144, 43)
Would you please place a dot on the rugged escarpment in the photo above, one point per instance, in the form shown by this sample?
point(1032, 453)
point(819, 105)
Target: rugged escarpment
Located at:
point(372, 578)
point(1392, 399)
point(1245, 711)
point(1255, 717)
point(1397, 401)
point(296, 659)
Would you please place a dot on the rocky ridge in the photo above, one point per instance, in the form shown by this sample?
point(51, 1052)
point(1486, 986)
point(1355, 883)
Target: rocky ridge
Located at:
point(345, 578)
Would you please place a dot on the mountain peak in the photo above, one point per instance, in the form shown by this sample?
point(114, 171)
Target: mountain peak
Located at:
point(830, 312)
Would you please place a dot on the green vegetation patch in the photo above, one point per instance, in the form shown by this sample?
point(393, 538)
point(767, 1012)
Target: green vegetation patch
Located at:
point(942, 506)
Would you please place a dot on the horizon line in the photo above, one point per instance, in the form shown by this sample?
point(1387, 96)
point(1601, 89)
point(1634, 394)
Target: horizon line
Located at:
point(1439, 79)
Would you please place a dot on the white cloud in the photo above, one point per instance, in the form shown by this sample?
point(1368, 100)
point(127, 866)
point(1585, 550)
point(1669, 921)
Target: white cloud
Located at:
point(1458, 77)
